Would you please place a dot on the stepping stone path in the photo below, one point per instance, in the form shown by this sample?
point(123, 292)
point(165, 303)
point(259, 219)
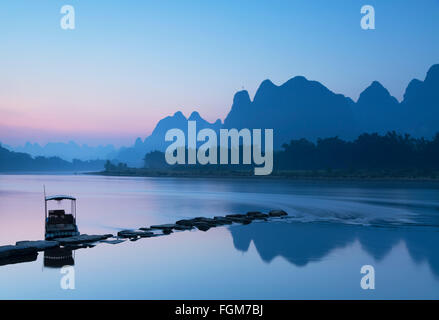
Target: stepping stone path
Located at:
point(132, 234)
point(39, 245)
point(82, 239)
point(24, 251)
point(117, 241)
point(277, 213)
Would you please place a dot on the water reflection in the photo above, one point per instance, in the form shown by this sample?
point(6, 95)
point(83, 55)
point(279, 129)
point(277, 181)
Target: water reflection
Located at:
point(302, 243)
point(299, 243)
point(19, 259)
point(58, 258)
point(53, 258)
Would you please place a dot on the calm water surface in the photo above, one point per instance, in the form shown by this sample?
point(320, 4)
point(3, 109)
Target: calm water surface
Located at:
point(334, 229)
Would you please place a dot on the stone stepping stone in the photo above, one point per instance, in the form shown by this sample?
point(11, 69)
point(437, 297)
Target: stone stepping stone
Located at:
point(222, 220)
point(199, 221)
point(257, 215)
point(277, 213)
point(116, 241)
point(183, 228)
point(202, 226)
point(185, 222)
point(135, 234)
point(239, 218)
point(39, 245)
point(82, 239)
point(230, 216)
point(168, 226)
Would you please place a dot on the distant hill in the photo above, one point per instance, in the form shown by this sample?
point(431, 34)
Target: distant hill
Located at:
point(420, 107)
point(67, 151)
point(377, 111)
point(301, 108)
point(417, 114)
point(296, 109)
point(156, 141)
point(17, 161)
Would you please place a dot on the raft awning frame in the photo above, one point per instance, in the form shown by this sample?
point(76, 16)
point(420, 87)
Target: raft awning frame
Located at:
point(60, 197)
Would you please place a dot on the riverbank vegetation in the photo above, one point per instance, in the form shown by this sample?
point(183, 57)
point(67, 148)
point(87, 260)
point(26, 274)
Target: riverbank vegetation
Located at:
point(369, 156)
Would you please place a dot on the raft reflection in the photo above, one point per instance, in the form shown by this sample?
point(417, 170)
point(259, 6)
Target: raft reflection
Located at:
point(58, 258)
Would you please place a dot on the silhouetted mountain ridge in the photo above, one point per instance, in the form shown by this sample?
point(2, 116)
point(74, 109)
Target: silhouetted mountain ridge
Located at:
point(67, 151)
point(156, 141)
point(420, 107)
point(303, 243)
point(296, 109)
point(11, 161)
point(302, 108)
point(377, 111)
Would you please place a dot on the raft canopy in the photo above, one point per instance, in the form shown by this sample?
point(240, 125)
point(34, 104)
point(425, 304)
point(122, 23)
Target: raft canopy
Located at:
point(60, 197)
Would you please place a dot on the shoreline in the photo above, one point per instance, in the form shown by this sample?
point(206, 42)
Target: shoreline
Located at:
point(291, 175)
point(236, 175)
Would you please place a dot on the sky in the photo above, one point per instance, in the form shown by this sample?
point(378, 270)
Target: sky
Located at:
point(127, 64)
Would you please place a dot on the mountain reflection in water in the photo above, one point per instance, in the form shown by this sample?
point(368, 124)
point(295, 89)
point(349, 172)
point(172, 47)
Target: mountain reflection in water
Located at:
point(302, 243)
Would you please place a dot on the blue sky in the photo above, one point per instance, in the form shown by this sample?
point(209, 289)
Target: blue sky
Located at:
point(130, 63)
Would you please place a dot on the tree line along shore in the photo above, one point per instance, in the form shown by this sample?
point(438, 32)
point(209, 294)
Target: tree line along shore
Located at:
point(370, 156)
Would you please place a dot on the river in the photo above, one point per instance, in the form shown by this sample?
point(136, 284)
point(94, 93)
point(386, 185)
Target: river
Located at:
point(334, 228)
